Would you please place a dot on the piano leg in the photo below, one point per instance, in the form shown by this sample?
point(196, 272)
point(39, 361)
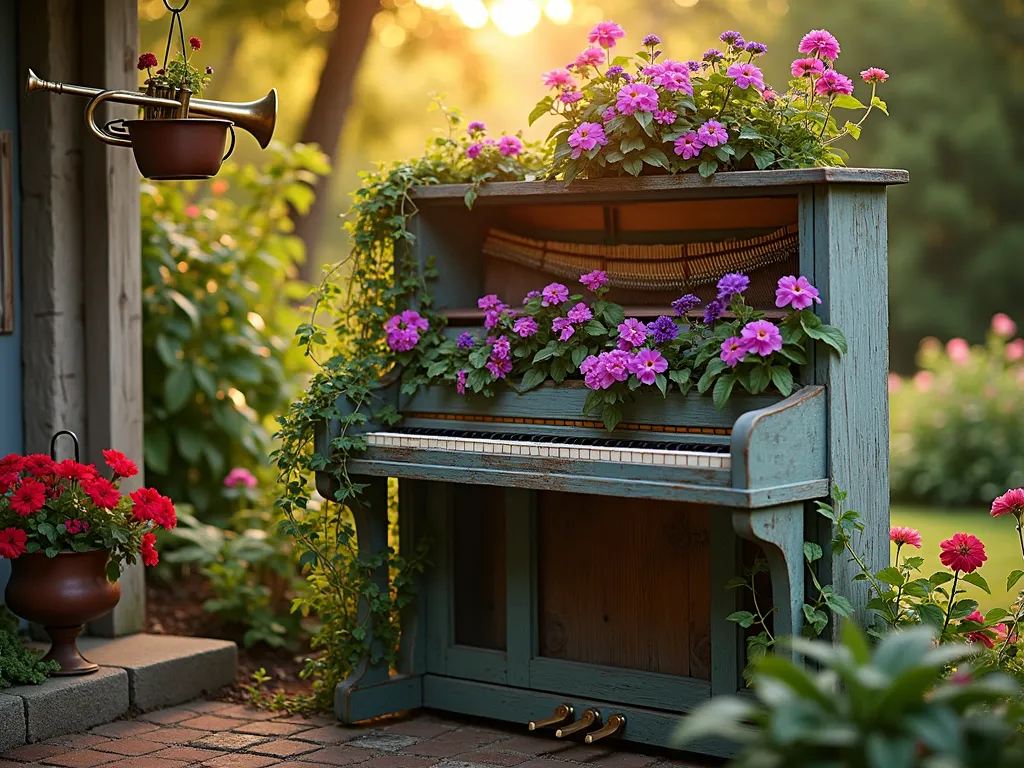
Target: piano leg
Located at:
point(779, 531)
point(369, 690)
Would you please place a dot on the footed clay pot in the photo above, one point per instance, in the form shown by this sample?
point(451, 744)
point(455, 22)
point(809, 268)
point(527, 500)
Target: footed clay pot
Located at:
point(63, 594)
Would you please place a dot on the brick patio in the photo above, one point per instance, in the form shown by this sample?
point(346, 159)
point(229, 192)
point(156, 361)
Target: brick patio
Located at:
point(220, 735)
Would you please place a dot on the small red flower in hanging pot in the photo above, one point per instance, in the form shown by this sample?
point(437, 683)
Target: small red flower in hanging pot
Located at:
point(68, 530)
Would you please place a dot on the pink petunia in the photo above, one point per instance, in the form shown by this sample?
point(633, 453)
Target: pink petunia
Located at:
point(636, 97)
point(762, 337)
point(647, 364)
point(632, 333)
point(605, 33)
point(510, 146)
point(688, 145)
point(746, 75)
point(559, 78)
point(592, 57)
point(587, 137)
point(796, 291)
point(820, 43)
point(807, 67)
point(733, 351)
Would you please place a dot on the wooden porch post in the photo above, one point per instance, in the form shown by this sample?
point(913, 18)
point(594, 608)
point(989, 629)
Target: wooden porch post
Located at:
point(82, 276)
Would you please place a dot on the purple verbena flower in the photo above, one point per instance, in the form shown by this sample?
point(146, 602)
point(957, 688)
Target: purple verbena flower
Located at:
point(731, 285)
point(663, 329)
point(608, 114)
point(614, 73)
point(491, 318)
point(570, 97)
point(713, 311)
point(465, 340)
point(684, 304)
point(650, 41)
point(711, 55)
point(758, 49)
point(499, 368)
point(693, 66)
point(730, 37)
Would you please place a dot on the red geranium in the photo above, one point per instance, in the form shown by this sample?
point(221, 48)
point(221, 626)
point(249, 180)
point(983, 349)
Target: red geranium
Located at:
point(12, 462)
point(39, 464)
point(73, 470)
point(102, 492)
point(121, 464)
point(12, 543)
point(149, 553)
point(195, 43)
point(147, 60)
point(8, 480)
point(151, 505)
point(29, 497)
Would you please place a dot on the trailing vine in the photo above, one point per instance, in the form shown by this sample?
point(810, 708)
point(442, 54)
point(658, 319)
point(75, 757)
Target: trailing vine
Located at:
point(346, 341)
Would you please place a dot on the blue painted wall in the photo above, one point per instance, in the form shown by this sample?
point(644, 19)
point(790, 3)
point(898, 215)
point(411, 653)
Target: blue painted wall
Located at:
point(10, 345)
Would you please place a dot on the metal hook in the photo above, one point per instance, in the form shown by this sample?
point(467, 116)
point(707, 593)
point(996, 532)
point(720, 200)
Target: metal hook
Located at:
point(53, 444)
point(167, 5)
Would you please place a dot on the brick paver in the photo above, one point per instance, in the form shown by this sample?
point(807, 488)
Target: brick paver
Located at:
point(208, 734)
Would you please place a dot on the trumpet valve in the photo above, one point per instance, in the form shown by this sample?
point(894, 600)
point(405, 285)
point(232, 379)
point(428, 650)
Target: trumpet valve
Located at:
point(562, 713)
point(588, 719)
point(615, 724)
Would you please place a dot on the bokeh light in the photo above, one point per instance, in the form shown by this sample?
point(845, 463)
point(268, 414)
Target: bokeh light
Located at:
point(515, 17)
point(472, 13)
point(559, 11)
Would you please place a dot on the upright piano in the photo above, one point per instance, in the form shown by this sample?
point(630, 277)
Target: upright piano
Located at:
point(578, 576)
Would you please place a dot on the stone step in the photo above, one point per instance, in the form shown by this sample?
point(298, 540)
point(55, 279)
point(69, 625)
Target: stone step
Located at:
point(137, 673)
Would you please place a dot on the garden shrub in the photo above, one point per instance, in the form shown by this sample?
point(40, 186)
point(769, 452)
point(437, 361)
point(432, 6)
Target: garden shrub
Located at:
point(18, 664)
point(958, 423)
point(218, 311)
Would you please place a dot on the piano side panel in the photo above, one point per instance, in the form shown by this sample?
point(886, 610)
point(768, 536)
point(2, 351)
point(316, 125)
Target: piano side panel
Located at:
point(618, 580)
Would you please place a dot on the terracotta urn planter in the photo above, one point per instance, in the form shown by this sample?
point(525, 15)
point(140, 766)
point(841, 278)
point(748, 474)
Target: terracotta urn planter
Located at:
point(63, 593)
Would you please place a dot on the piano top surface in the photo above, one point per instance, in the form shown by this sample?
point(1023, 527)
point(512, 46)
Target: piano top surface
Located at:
point(506, 191)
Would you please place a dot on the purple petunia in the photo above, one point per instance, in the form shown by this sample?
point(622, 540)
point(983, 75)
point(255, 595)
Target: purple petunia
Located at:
point(476, 127)
point(636, 97)
point(608, 114)
point(688, 145)
point(712, 133)
point(731, 285)
point(490, 301)
point(500, 348)
point(595, 280)
point(713, 311)
point(580, 313)
point(602, 371)
point(796, 291)
point(460, 382)
point(733, 351)
point(586, 137)
point(632, 333)
point(491, 318)
point(663, 329)
point(762, 337)
point(563, 327)
point(403, 330)
point(554, 294)
point(531, 295)
point(684, 304)
point(525, 327)
point(499, 368)
point(647, 364)
point(473, 150)
point(465, 340)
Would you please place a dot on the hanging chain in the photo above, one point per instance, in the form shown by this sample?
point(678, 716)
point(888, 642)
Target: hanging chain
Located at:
point(175, 17)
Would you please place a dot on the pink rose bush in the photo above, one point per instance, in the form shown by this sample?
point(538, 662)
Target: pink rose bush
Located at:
point(662, 113)
point(557, 334)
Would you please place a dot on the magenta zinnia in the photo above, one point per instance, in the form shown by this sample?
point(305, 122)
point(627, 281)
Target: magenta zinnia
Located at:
point(688, 145)
point(833, 83)
point(605, 33)
point(963, 553)
point(901, 535)
point(821, 43)
point(807, 67)
point(1010, 503)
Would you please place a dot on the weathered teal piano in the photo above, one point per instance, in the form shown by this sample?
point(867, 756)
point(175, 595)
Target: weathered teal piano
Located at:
point(578, 575)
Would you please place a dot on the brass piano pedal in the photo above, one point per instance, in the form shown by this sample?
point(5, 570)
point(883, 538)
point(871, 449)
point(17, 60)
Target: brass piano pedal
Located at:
point(588, 719)
point(615, 724)
point(562, 713)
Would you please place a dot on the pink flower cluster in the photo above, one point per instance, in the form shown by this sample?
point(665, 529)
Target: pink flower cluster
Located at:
point(586, 137)
point(509, 146)
point(604, 370)
point(404, 330)
point(499, 362)
point(822, 49)
point(75, 527)
point(711, 134)
point(240, 476)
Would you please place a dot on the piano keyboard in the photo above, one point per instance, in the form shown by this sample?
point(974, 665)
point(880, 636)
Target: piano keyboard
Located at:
point(619, 451)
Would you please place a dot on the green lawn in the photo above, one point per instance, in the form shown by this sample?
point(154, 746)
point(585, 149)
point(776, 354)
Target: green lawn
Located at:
point(999, 536)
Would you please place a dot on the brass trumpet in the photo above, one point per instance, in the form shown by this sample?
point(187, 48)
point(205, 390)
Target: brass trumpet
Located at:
point(256, 117)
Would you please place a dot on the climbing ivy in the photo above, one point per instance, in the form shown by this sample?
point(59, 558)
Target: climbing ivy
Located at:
point(345, 339)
